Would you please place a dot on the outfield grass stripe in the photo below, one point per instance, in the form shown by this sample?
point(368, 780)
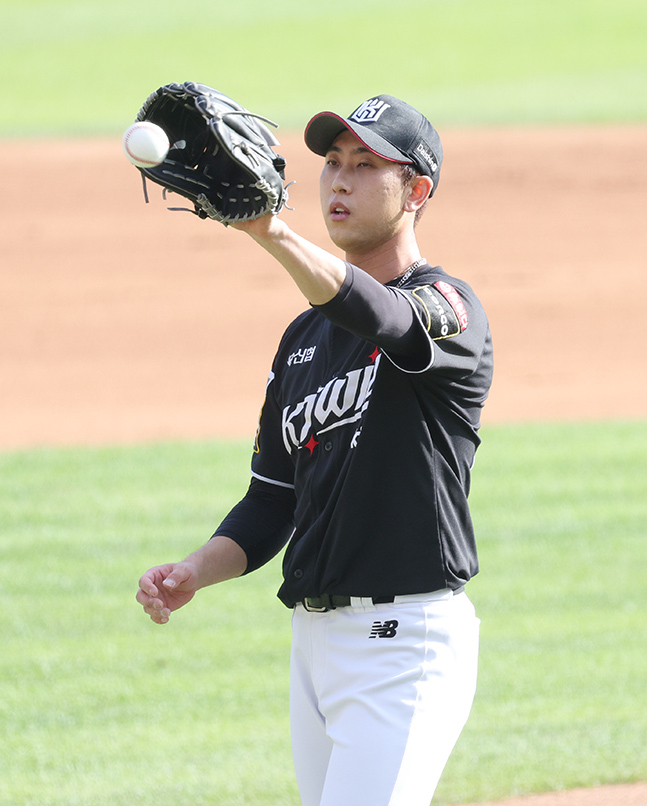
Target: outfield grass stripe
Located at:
point(86, 67)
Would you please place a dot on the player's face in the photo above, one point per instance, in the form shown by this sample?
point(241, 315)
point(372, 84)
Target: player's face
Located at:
point(362, 197)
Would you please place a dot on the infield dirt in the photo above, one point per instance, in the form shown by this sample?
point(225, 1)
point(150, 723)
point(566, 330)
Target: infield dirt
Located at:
point(123, 322)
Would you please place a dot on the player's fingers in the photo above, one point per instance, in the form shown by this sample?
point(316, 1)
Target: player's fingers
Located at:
point(153, 607)
point(145, 600)
point(147, 585)
point(160, 616)
point(181, 573)
point(151, 604)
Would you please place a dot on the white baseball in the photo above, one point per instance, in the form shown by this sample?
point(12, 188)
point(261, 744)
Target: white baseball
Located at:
point(145, 144)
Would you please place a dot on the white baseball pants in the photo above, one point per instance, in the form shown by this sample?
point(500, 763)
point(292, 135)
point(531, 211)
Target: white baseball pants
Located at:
point(379, 696)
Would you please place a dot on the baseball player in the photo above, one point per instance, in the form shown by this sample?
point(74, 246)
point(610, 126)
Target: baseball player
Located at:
point(361, 464)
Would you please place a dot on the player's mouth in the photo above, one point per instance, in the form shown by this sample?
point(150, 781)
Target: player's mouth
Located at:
point(338, 212)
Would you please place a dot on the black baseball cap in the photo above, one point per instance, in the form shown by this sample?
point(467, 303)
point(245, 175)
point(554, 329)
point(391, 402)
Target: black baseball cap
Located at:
point(389, 128)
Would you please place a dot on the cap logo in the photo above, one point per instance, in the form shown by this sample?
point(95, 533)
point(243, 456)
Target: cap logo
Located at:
point(427, 156)
point(370, 111)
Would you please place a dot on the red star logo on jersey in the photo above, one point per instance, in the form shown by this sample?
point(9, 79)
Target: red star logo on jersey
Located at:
point(311, 444)
point(373, 356)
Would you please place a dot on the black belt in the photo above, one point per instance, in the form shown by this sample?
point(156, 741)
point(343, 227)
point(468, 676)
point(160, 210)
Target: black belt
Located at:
point(326, 602)
point(322, 604)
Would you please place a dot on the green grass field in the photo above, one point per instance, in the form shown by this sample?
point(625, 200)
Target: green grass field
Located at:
point(100, 707)
point(85, 67)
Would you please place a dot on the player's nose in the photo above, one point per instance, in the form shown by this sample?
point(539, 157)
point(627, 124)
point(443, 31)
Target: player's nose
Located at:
point(341, 182)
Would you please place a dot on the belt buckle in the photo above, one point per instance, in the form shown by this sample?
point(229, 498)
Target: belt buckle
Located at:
point(317, 608)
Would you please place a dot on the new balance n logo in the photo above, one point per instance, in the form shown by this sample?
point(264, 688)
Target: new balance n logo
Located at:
point(387, 629)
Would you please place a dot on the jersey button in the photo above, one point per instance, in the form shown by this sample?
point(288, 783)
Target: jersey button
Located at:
point(328, 446)
point(298, 573)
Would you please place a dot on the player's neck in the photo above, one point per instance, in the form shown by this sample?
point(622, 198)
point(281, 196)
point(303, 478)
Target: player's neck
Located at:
point(387, 262)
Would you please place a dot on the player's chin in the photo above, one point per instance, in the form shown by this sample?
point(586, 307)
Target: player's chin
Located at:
point(344, 236)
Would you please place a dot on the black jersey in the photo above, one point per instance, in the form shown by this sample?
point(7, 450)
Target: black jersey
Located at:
point(371, 416)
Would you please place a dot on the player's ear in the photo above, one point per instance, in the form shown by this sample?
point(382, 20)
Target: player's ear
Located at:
point(420, 190)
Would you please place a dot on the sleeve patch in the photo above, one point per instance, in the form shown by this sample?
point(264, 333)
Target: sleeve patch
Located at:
point(444, 314)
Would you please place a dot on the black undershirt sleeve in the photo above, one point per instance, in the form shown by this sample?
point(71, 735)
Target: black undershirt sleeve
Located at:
point(261, 523)
point(377, 313)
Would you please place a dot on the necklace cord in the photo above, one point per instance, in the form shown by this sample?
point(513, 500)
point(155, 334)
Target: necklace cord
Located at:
point(409, 272)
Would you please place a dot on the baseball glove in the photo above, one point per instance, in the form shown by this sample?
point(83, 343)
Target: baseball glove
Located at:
point(221, 156)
